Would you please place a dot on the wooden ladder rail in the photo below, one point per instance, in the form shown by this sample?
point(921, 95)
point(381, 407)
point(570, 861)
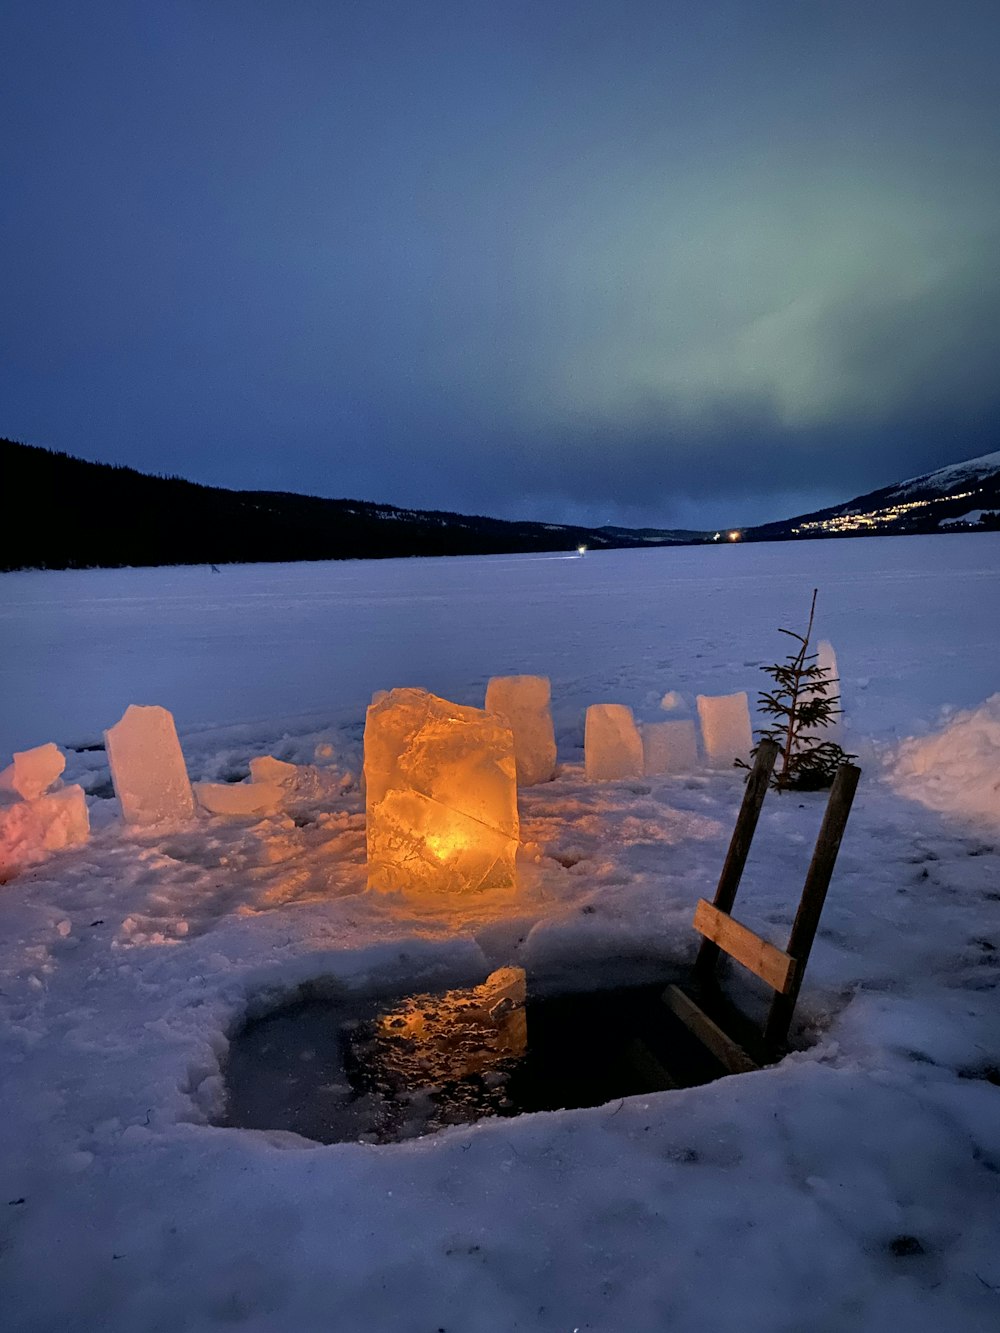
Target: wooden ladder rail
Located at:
point(739, 846)
point(781, 970)
point(806, 922)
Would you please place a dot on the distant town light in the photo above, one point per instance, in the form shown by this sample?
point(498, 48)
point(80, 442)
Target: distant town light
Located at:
point(581, 550)
point(734, 536)
point(872, 521)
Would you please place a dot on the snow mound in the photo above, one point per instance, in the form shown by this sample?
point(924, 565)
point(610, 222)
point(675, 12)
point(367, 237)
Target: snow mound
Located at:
point(957, 769)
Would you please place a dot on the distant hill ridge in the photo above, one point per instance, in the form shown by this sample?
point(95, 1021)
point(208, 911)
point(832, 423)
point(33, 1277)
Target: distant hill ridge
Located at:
point(83, 515)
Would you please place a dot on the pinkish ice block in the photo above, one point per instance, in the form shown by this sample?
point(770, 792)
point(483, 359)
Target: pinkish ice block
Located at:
point(612, 744)
point(522, 702)
point(240, 798)
point(33, 771)
point(725, 728)
point(147, 767)
point(31, 830)
point(669, 747)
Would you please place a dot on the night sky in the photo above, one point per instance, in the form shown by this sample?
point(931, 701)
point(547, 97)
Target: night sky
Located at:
point(683, 263)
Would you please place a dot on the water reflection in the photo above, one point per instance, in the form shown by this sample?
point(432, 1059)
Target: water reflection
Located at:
point(381, 1073)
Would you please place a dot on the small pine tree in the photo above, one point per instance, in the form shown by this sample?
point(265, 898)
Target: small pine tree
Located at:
point(801, 702)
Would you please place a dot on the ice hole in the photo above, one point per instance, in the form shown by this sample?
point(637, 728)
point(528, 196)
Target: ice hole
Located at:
point(389, 1069)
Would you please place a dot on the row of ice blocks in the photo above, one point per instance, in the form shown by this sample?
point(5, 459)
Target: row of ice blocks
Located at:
point(616, 748)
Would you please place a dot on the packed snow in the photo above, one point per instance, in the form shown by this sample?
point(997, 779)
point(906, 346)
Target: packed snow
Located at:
point(853, 1186)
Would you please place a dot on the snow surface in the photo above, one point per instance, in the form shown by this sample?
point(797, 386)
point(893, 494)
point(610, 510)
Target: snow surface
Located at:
point(854, 1186)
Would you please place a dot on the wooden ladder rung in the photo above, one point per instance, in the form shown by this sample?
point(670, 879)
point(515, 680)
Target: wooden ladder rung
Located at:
point(728, 1052)
point(765, 960)
point(649, 1067)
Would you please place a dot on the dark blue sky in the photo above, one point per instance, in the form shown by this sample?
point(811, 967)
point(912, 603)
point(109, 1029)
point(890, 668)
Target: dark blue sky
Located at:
point(676, 263)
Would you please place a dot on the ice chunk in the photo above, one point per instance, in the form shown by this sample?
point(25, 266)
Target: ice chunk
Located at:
point(300, 782)
point(147, 766)
point(671, 701)
point(269, 769)
point(440, 796)
point(504, 989)
point(240, 798)
point(30, 830)
point(669, 747)
point(725, 727)
point(33, 771)
point(523, 703)
point(612, 744)
point(827, 659)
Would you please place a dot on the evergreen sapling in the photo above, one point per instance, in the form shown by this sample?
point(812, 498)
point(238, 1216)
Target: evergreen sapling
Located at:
point(801, 703)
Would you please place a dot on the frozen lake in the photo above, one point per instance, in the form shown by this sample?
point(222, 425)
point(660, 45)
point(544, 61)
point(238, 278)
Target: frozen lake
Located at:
point(913, 620)
point(850, 1186)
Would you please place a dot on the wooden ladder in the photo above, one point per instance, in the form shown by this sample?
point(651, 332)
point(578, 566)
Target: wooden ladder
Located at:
point(781, 969)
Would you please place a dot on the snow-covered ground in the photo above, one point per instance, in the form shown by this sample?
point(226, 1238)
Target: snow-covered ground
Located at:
point(853, 1186)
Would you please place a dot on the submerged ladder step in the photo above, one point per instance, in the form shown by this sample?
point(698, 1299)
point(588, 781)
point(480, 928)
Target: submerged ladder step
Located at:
point(649, 1067)
point(729, 1053)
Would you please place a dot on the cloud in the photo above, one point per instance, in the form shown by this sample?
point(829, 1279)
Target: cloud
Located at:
point(641, 261)
point(841, 303)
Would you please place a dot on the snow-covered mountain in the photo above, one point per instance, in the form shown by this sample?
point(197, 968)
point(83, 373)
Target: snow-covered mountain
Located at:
point(961, 497)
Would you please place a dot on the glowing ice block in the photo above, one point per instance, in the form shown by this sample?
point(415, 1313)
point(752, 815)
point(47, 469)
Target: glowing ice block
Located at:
point(240, 798)
point(612, 744)
point(147, 767)
point(522, 702)
point(725, 727)
point(669, 747)
point(33, 771)
point(31, 829)
point(440, 796)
